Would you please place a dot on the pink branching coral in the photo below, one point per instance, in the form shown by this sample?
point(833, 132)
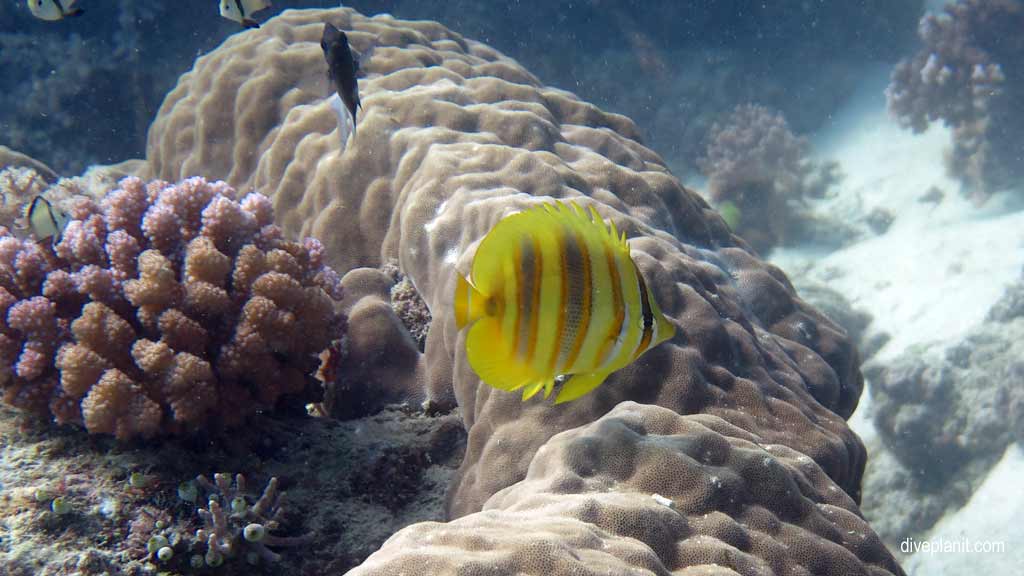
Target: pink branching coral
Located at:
point(755, 163)
point(164, 309)
point(18, 185)
point(970, 75)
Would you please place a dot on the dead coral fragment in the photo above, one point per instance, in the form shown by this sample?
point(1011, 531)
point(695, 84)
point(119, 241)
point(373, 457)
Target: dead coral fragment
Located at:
point(235, 526)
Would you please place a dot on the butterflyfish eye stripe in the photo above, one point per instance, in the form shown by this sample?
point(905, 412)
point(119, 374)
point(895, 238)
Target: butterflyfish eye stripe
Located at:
point(648, 317)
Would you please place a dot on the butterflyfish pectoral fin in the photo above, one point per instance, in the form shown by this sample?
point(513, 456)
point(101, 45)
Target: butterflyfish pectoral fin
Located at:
point(579, 385)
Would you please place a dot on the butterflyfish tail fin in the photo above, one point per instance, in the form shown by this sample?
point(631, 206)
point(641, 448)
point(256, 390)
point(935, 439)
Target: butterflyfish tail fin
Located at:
point(492, 360)
point(579, 385)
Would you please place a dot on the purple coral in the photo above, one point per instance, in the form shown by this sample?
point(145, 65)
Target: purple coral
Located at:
point(970, 75)
point(756, 163)
point(164, 308)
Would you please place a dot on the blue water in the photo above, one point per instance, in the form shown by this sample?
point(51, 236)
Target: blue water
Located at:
point(671, 66)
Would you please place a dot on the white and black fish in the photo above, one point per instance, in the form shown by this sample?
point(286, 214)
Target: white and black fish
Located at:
point(44, 220)
point(54, 10)
point(241, 11)
point(343, 65)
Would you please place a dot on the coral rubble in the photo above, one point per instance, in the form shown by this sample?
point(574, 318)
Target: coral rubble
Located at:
point(350, 485)
point(163, 309)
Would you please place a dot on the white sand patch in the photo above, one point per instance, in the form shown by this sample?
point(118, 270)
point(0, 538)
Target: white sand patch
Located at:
point(934, 274)
point(986, 536)
point(939, 268)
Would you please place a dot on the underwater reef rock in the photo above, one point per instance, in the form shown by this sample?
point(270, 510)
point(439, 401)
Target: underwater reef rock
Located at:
point(350, 485)
point(163, 309)
point(646, 489)
point(945, 421)
point(453, 137)
point(855, 321)
point(951, 418)
point(969, 75)
point(381, 362)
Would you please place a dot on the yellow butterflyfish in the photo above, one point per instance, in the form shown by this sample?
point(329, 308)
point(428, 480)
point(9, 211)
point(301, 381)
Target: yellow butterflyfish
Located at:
point(554, 293)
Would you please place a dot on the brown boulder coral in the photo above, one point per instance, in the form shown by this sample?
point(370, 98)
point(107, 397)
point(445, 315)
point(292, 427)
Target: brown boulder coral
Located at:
point(453, 137)
point(644, 490)
point(163, 309)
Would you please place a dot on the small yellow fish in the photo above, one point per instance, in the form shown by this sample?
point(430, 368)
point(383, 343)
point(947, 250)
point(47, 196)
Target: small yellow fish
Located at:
point(44, 220)
point(554, 292)
point(54, 10)
point(241, 11)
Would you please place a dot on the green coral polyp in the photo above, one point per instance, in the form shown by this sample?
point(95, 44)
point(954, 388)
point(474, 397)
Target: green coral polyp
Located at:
point(165, 554)
point(155, 543)
point(254, 532)
point(60, 506)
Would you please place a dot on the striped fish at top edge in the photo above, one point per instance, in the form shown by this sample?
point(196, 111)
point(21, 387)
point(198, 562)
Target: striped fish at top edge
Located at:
point(553, 292)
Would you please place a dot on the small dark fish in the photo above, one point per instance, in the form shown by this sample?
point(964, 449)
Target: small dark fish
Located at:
point(342, 69)
point(54, 10)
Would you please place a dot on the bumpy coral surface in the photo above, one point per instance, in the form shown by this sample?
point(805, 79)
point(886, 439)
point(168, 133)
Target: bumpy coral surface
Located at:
point(646, 491)
point(455, 136)
point(13, 159)
point(969, 74)
point(164, 308)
